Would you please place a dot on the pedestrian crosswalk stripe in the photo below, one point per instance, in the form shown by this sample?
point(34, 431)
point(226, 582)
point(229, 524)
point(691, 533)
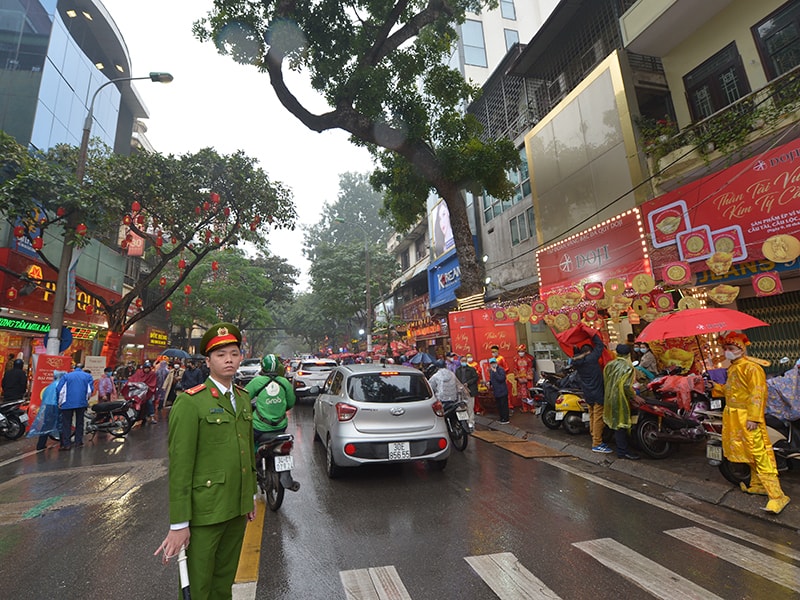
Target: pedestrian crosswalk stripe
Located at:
point(648, 575)
point(377, 583)
point(508, 578)
point(756, 562)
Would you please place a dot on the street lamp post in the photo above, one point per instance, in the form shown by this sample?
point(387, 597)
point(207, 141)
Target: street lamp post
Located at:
point(60, 295)
point(368, 317)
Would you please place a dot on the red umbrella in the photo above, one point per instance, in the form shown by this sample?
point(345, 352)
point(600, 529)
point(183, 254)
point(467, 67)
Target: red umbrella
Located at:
point(697, 321)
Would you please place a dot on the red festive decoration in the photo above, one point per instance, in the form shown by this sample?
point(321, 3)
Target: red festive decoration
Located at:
point(19, 231)
point(124, 244)
point(216, 240)
point(126, 220)
point(197, 210)
point(162, 282)
point(37, 243)
point(89, 309)
point(11, 293)
point(206, 206)
point(81, 229)
point(138, 303)
point(60, 211)
point(181, 264)
point(215, 197)
point(253, 226)
point(168, 305)
point(140, 219)
point(135, 206)
point(173, 240)
point(159, 241)
point(214, 268)
point(227, 211)
point(257, 219)
point(187, 289)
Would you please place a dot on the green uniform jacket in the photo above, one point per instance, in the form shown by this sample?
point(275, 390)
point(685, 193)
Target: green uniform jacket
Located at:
point(211, 463)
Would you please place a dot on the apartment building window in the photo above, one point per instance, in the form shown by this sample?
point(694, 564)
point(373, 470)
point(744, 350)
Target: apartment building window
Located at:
point(716, 83)
point(405, 263)
point(520, 179)
point(512, 37)
point(507, 10)
point(419, 249)
point(519, 229)
point(474, 43)
point(778, 40)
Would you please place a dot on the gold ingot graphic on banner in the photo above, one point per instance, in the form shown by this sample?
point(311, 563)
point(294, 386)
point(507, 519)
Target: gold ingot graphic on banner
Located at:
point(688, 302)
point(615, 286)
point(643, 283)
point(724, 294)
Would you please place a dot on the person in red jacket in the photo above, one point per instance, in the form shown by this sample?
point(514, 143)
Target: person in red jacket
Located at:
point(522, 367)
point(147, 376)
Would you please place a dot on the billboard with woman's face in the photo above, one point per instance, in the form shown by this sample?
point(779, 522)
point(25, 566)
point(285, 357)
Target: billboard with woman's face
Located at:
point(441, 232)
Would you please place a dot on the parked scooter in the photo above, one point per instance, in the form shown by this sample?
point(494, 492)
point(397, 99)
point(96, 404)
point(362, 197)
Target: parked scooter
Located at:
point(274, 463)
point(670, 411)
point(115, 418)
point(13, 420)
point(573, 411)
point(546, 392)
point(456, 417)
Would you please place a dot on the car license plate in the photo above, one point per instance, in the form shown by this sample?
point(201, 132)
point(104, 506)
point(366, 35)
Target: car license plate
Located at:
point(559, 416)
point(399, 450)
point(538, 410)
point(131, 413)
point(585, 417)
point(462, 415)
point(23, 418)
point(284, 463)
point(716, 403)
point(713, 452)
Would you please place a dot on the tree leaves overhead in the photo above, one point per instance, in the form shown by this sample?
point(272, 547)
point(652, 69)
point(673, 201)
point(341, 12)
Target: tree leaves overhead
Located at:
point(382, 68)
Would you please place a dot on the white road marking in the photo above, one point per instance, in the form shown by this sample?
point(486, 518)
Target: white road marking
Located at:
point(751, 560)
point(377, 583)
point(676, 510)
point(20, 457)
point(648, 575)
point(508, 578)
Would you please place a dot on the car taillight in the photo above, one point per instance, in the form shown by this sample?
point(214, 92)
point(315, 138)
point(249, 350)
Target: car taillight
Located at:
point(560, 400)
point(438, 408)
point(301, 373)
point(284, 448)
point(345, 412)
point(350, 449)
point(442, 443)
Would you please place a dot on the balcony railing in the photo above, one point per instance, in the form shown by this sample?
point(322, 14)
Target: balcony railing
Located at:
point(728, 130)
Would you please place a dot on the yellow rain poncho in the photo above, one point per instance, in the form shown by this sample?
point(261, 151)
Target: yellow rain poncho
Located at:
point(618, 387)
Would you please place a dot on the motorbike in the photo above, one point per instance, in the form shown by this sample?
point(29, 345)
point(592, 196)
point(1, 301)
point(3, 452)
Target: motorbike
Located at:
point(456, 418)
point(670, 411)
point(13, 420)
point(573, 411)
point(274, 463)
point(547, 391)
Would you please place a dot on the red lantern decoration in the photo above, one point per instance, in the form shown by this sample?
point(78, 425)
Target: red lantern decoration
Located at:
point(168, 305)
point(214, 268)
point(162, 282)
point(227, 211)
point(257, 219)
point(159, 241)
point(253, 226)
point(11, 294)
point(181, 264)
point(197, 210)
point(206, 206)
point(138, 303)
point(89, 309)
point(19, 231)
point(81, 229)
point(60, 211)
point(126, 220)
point(37, 243)
point(140, 220)
point(173, 240)
point(216, 240)
point(135, 206)
point(124, 244)
point(215, 197)
point(187, 289)
point(208, 234)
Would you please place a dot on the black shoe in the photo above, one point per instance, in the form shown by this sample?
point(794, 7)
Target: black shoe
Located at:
point(629, 456)
point(64, 449)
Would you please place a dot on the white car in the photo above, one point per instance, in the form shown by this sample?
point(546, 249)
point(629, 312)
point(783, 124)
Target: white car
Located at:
point(374, 413)
point(311, 373)
point(248, 369)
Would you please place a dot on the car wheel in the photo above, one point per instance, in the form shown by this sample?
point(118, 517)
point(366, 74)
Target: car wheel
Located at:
point(331, 467)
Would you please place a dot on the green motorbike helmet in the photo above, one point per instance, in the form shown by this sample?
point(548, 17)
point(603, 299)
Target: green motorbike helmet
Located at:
point(272, 364)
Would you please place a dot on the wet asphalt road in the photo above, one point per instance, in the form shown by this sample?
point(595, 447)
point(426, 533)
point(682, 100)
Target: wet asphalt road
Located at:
point(84, 524)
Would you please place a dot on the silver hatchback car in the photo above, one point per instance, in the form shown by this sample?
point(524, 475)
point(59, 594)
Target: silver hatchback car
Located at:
point(373, 413)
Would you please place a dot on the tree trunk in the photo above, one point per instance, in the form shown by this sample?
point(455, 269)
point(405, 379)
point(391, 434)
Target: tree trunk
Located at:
point(111, 347)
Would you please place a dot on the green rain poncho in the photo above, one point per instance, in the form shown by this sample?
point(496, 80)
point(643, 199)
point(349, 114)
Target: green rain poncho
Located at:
point(618, 381)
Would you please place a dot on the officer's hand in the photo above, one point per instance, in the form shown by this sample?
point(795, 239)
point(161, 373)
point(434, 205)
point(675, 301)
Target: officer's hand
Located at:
point(172, 544)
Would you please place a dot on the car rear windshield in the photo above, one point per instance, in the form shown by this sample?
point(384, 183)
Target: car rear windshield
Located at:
point(319, 367)
point(382, 387)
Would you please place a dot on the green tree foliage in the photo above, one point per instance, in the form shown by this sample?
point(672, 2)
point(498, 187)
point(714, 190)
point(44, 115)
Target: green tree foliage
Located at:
point(166, 200)
point(381, 68)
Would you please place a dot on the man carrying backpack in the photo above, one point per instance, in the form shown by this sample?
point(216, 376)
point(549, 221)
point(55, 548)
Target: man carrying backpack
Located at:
point(273, 396)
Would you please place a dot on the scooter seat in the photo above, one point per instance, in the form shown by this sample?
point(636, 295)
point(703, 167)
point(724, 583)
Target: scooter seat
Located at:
point(108, 406)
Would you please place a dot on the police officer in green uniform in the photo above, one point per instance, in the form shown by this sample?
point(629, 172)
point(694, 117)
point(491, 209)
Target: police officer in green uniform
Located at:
point(212, 482)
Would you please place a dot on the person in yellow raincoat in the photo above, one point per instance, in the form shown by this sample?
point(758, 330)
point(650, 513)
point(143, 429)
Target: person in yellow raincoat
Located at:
point(618, 391)
point(744, 433)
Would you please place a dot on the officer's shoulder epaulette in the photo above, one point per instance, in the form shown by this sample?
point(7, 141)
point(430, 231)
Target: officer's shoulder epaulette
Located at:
point(195, 389)
point(240, 387)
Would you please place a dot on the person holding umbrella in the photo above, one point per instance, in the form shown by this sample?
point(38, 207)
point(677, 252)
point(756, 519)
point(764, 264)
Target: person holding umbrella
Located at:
point(744, 432)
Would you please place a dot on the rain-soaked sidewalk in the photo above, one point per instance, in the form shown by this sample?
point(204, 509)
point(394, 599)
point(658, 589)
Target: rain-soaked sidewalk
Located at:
point(685, 470)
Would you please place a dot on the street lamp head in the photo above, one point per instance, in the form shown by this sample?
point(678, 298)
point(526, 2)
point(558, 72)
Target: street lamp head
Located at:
point(160, 77)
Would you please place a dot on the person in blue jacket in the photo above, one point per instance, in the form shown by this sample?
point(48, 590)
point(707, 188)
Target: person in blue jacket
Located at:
point(73, 391)
point(497, 381)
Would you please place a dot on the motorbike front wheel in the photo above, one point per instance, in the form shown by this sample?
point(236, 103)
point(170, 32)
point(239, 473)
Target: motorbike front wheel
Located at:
point(457, 434)
point(15, 428)
point(646, 436)
point(736, 473)
point(549, 417)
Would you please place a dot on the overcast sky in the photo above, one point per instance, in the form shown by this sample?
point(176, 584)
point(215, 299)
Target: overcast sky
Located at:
point(215, 102)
